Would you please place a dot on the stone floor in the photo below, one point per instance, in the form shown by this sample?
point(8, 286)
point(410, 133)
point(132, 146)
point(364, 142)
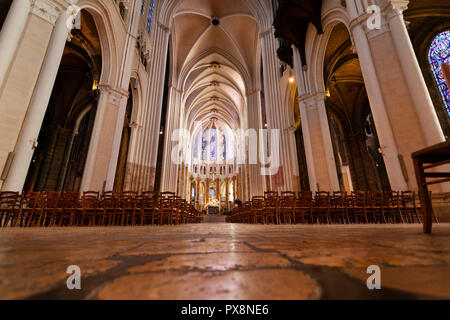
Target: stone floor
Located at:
point(226, 261)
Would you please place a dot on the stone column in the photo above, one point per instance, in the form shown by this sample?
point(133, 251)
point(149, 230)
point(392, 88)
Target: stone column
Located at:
point(255, 122)
point(382, 123)
point(318, 145)
point(307, 138)
point(124, 82)
point(234, 189)
point(11, 33)
point(328, 145)
point(169, 170)
point(413, 75)
point(149, 139)
point(207, 191)
point(32, 123)
point(197, 195)
point(218, 190)
point(237, 179)
point(227, 191)
point(275, 110)
point(110, 107)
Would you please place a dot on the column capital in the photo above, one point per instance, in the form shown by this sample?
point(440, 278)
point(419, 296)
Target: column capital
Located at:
point(311, 100)
point(46, 9)
point(266, 33)
point(258, 90)
point(116, 96)
point(163, 27)
point(395, 7)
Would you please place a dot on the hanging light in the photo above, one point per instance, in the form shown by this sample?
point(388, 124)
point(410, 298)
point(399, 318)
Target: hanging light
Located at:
point(291, 79)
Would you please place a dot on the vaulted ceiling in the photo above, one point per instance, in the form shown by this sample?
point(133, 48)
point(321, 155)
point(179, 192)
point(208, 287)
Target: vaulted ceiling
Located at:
point(215, 45)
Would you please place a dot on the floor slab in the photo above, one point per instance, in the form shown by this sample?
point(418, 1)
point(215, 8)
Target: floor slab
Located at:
point(226, 261)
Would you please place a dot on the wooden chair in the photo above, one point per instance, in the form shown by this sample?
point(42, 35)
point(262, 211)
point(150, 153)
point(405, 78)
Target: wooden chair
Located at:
point(377, 206)
point(109, 206)
point(304, 207)
point(149, 207)
point(9, 207)
point(392, 207)
point(271, 207)
point(359, 206)
point(409, 206)
point(287, 208)
point(339, 207)
point(89, 208)
point(29, 208)
point(256, 212)
point(49, 208)
point(322, 205)
point(127, 204)
point(68, 208)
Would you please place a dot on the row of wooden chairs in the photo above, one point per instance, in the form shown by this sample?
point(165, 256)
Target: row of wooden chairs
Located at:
point(329, 208)
point(48, 209)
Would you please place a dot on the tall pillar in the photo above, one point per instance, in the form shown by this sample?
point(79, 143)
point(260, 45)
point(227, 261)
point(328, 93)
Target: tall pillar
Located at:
point(227, 192)
point(255, 122)
point(218, 190)
point(36, 111)
point(238, 191)
point(307, 137)
point(11, 33)
point(275, 110)
point(328, 145)
point(413, 74)
point(149, 138)
point(110, 107)
point(207, 191)
point(234, 189)
point(169, 170)
point(319, 150)
point(382, 123)
point(197, 194)
point(123, 85)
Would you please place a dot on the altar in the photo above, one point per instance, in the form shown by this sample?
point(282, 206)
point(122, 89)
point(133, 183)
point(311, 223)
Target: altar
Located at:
point(213, 210)
point(213, 207)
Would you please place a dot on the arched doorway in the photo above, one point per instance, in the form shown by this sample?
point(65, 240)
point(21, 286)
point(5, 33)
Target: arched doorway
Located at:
point(359, 163)
point(59, 160)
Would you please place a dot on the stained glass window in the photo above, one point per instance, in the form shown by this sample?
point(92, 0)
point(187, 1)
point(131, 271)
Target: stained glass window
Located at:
point(213, 144)
point(196, 146)
point(204, 138)
point(150, 15)
point(143, 7)
point(438, 55)
point(224, 147)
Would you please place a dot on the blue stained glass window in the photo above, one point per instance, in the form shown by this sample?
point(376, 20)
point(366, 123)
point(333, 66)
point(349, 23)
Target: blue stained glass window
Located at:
point(143, 7)
point(150, 15)
point(196, 147)
point(213, 144)
point(224, 147)
point(438, 55)
point(204, 138)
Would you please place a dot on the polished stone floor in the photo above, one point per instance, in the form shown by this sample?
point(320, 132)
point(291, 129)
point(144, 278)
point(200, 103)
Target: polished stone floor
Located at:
point(226, 261)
